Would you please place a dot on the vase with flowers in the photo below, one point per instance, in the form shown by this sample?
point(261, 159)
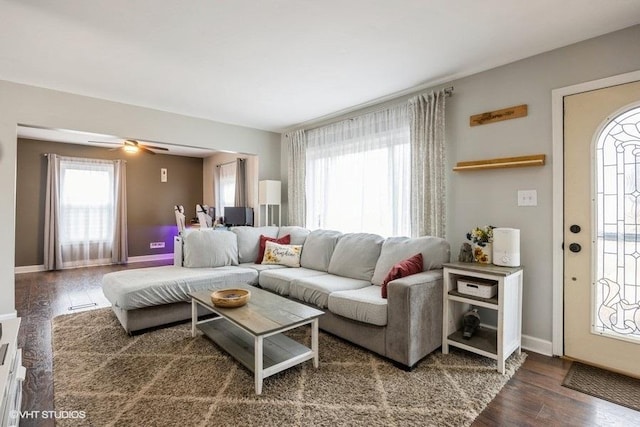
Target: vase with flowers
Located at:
point(481, 239)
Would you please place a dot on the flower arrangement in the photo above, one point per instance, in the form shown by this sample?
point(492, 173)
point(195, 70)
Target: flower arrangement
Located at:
point(481, 235)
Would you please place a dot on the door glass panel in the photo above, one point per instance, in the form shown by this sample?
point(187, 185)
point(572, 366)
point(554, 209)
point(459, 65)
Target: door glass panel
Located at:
point(617, 208)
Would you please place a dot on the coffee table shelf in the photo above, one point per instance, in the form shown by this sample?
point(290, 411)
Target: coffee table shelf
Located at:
point(277, 349)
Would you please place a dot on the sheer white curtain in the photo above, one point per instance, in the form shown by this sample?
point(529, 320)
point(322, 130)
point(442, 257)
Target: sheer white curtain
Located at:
point(85, 215)
point(358, 174)
point(226, 186)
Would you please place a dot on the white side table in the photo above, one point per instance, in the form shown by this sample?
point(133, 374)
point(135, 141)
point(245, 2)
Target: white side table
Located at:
point(498, 343)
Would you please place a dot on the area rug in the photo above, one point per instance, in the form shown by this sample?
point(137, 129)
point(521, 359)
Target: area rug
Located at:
point(103, 377)
point(617, 388)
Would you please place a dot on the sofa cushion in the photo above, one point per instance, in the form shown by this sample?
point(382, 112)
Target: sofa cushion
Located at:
point(316, 289)
point(288, 255)
point(298, 234)
point(404, 268)
point(318, 248)
point(208, 248)
point(364, 305)
point(434, 250)
point(249, 241)
point(284, 240)
point(146, 287)
point(356, 255)
point(279, 280)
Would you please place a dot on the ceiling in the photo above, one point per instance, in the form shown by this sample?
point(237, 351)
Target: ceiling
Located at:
point(272, 64)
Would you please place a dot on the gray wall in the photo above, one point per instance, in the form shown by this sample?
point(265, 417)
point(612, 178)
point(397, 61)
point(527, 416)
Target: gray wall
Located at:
point(150, 216)
point(489, 197)
point(29, 105)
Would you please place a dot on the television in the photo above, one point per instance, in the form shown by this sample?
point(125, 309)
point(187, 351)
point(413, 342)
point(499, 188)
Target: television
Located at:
point(238, 216)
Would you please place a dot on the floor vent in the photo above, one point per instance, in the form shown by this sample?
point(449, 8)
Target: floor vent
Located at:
point(78, 307)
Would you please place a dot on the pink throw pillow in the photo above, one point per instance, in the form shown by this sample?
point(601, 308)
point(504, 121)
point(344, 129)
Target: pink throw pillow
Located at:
point(404, 268)
point(284, 240)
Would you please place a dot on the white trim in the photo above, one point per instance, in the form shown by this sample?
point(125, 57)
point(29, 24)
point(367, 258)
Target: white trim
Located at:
point(537, 345)
point(10, 315)
point(29, 269)
point(143, 258)
point(557, 114)
point(83, 263)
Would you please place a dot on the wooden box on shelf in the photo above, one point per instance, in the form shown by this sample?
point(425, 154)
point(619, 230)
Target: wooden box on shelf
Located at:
point(497, 343)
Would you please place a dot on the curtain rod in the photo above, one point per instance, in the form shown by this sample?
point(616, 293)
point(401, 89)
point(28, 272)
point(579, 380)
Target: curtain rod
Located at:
point(373, 108)
point(87, 158)
point(231, 162)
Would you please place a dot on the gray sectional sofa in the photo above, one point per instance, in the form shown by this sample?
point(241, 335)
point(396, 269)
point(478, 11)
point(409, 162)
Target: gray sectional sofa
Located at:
point(339, 273)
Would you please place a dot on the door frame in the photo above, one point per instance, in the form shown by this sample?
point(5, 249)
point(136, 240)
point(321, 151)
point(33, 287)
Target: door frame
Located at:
point(557, 127)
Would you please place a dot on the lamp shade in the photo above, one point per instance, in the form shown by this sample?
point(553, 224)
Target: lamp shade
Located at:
point(269, 192)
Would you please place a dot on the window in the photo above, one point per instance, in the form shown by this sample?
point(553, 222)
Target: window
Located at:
point(227, 185)
point(617, 209)
point(85, 212)
point(358, 174)
point(87, 201)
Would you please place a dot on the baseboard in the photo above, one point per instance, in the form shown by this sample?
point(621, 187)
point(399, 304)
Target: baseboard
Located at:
point(133, 259)
point(8, 316)
point(145, 258)
point(29, 269)
point(537, 345)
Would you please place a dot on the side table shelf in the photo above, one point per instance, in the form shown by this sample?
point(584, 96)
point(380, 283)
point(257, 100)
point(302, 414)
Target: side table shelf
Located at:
point(496, 342)
point(12, 374)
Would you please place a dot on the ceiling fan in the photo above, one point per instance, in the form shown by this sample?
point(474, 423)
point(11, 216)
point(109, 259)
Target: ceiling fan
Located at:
point(133, 146)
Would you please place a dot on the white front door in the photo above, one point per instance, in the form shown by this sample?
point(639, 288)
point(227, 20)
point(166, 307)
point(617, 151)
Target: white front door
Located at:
point(602, 227)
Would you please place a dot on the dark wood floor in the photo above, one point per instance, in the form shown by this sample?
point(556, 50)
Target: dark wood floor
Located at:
point(533, 397)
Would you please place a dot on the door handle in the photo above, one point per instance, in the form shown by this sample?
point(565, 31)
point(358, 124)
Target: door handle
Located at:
point(575, 229)
point(575, 247)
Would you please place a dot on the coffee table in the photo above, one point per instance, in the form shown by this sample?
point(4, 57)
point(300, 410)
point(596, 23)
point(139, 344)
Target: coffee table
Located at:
point(253, 333)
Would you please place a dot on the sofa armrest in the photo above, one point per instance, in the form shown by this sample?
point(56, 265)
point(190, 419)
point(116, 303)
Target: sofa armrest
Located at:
point(177, 251)
point(414, 316)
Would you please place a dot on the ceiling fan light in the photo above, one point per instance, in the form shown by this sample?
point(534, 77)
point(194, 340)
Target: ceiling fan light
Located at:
point(130, 148)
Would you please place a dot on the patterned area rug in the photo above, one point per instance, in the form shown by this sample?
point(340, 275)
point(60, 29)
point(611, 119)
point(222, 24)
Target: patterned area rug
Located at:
point(168, 378)
point(617, 388)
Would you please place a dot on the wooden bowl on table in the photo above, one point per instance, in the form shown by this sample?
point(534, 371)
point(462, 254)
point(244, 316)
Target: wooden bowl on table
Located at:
point(230, 298)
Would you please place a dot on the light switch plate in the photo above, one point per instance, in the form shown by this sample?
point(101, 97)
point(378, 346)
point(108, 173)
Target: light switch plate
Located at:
point(527, 197)
point(163, 175)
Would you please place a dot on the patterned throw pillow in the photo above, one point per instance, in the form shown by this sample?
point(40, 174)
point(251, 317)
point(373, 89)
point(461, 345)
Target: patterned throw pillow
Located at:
point(288, 255)
point(404, 268)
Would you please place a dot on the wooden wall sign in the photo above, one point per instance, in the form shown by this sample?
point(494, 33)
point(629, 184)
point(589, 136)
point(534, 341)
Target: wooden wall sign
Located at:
point(498, 115)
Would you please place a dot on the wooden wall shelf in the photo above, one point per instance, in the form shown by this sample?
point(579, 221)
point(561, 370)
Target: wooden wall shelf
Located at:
point(501, 163)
